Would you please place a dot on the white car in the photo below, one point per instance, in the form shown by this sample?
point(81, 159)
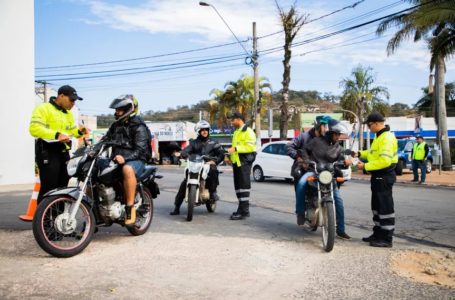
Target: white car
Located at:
point(272, 161)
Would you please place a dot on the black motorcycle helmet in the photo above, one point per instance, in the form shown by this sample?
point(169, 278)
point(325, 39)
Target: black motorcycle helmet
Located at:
point(124, 103)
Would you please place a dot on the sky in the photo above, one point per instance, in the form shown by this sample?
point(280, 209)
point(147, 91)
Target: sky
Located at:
point(79, 42)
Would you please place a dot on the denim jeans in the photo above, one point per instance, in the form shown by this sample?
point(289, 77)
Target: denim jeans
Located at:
point(419, 164)
point(300, 201)
point(138, 167)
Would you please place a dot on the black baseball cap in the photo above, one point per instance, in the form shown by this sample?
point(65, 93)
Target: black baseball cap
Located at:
point(69, 91)
point(419, 137)
point(374, 117)
point(237, 115)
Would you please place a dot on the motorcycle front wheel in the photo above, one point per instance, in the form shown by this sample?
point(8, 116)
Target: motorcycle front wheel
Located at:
point(144, 214)
point(328, 226)
point(191, 199)
point(52, 234)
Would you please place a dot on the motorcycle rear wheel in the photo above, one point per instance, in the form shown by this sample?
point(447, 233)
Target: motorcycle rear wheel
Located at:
point(48, 232)
point(144, 215)
point(328, 226)
point(191, 199)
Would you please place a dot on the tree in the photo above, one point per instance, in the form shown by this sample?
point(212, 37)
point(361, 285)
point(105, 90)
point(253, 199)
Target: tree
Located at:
point(400, 109)
point(292, 22)
point(434, 21)
point(361, 97)
point(426, 106)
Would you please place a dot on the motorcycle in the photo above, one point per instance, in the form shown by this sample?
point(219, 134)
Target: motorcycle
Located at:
point(66, 219)
point(319, 201)
point(196, 173)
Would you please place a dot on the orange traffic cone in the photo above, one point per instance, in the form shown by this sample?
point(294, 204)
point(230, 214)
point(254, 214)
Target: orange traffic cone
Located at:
point(28, 217)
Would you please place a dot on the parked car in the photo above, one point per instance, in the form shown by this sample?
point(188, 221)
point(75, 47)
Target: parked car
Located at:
point(404, 156)
point(272, 161)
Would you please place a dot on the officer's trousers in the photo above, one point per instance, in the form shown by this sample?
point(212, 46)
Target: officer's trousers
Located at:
point(242, 181)
point(52, 171)
point(382, 205)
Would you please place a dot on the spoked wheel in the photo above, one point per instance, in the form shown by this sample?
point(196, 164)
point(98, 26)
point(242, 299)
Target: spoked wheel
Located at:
point(144, 215)
point(328, 226)
point(191, 199)
point(53, 231)
point(211, 205)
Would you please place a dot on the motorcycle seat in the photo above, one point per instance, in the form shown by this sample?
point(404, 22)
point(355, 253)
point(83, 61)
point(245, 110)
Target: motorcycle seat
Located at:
point(148, 170)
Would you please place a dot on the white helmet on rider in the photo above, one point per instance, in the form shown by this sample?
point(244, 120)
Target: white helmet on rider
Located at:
point(202, 124)
point(335, 126)
point(124, 103)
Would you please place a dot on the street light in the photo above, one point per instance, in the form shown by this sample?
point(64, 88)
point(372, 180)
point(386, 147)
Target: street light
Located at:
point(254, 62)
point(201, 3)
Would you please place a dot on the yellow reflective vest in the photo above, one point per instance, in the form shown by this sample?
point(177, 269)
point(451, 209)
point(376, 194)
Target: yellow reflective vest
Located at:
point(48, 119)
point(244, 141)
point(418, 152)
point(383, 152)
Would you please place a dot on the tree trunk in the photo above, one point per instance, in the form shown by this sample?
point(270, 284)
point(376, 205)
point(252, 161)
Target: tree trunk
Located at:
point(359, 106)
point(442, 115)
point(284, 118)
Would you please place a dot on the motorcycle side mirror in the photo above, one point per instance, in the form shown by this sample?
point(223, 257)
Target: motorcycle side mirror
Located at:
point(349, 152)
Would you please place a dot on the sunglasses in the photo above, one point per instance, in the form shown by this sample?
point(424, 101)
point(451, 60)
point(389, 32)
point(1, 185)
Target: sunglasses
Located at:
point(204, 129)
point(370, 123)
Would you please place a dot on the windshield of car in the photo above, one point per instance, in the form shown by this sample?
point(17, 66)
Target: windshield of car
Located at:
point(401, 144)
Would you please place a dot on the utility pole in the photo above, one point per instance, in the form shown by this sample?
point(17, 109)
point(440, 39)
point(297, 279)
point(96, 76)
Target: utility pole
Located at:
point(257, 99)
point(44, 83)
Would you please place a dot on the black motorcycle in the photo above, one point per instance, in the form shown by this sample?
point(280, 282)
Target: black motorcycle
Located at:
point(66, 218)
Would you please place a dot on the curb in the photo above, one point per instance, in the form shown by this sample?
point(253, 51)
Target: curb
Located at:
point(406, 183)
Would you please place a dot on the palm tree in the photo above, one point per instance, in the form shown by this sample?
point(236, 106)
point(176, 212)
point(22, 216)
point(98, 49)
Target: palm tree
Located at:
point(360, 96)
point(292, 22)
point(434, 21)
point(426, 106)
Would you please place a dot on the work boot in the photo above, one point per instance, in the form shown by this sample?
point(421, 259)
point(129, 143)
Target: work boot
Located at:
point(242, 212)
point(214, 196)
point(300, 219)
point(343, 235)
point(381, 243)
point(130, 215)
point(369, 238)
point(175, 212)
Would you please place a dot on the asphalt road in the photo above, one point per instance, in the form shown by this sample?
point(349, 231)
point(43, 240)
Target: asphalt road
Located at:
point(266, 256)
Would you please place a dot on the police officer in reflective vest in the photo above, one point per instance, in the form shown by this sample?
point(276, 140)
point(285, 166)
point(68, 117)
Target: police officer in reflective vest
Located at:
point(52, 124)
point(382, 159)
point(242, 157)
point(419, 154)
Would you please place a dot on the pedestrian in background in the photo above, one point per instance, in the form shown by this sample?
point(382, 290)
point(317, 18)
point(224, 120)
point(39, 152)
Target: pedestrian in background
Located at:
point(419, 155)
point(242, 154)
point(52, 124)
point(382, 159)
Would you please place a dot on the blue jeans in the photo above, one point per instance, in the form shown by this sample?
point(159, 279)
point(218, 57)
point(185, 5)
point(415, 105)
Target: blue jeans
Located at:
point(300, 201)
point(138, 167)
point(419, 164)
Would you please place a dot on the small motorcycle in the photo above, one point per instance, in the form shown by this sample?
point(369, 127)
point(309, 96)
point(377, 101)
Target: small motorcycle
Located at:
point(197, 194)
point(319, 201)
point(66, 218)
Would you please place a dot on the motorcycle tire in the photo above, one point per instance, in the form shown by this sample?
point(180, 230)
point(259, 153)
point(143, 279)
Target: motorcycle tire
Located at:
point(144, 215)
point(211, 205)
point(191, 199)
point(328, 226)
point(47, 234)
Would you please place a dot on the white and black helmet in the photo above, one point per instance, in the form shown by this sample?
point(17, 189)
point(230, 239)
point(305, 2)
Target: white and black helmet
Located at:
point(125, 103)
point(202, 124)
point(337, 127)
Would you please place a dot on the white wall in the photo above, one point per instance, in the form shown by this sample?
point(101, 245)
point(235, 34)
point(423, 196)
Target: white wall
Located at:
point(18, 91)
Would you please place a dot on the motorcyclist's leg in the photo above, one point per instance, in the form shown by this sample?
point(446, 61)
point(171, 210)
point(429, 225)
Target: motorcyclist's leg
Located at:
point(212, 182)
point(130, 170)
point(300, 193)
point(339, 211)
point(179, 198)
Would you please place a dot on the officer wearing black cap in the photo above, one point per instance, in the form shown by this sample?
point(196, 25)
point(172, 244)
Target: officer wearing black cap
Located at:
point(381, 161)
point(52, 125)
point(419, 154)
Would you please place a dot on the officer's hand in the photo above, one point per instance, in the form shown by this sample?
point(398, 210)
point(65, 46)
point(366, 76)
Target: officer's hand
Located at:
point(83, 129)
point(360, 165)
point(119, 159)
point(63, 138)
point(231, 150)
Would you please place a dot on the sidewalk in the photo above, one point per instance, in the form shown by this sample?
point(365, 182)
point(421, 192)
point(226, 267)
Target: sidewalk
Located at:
point(446, 178)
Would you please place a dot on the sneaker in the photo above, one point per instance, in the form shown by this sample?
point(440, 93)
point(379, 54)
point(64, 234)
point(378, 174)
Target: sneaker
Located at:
point(343, 235)
point(175, 212)
point(130, 217)
point(369, 238)
point(300, 219)
point(381, 243)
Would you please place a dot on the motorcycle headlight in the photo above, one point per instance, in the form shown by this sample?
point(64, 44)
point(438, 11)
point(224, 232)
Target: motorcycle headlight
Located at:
point(325, 177)
point(194, 167)
point(73, 163)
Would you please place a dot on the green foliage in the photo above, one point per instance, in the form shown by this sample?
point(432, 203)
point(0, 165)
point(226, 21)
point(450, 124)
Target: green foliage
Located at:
point(425, 104)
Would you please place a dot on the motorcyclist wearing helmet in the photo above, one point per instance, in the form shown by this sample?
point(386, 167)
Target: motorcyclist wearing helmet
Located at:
point(294, 150)
point(132, 151)
point(326, 149)
point(202, 145)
